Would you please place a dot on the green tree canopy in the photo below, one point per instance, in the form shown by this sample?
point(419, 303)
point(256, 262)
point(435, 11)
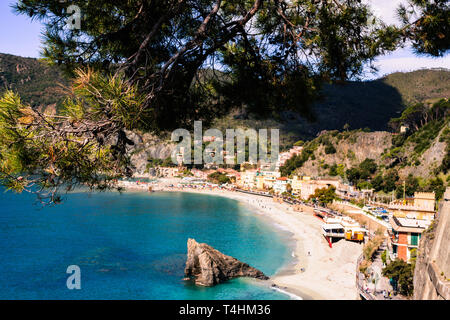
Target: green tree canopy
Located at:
point(411, 186)
point(219, 178)
point(426, 25)
point(188, 55)
point(157, 65)
point(403, 274)
point(324, 195)
point(362, 172)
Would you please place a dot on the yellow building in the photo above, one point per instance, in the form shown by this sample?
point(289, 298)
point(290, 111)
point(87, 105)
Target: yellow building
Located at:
point(304, 187)
point(248, 179)
point(260, 182)
point(269, 178)
point(296, 185)
point(421, 207)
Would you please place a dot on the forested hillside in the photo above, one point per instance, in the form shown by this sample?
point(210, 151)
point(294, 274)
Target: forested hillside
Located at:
point(37, 83)
point(355, 105)
point(419, 155)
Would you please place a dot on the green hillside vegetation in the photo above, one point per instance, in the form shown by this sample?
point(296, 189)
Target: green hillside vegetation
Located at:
point(412, 99)
point(368, 104)
point(37, 83)
point(353, 105)
point(428, 125)
point(422, 86)
point(425, 124)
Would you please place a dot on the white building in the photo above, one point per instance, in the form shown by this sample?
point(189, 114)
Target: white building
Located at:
point(280, 185)
point(285, 156)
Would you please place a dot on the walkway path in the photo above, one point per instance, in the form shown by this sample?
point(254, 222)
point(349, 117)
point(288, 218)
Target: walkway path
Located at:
point(366, 288)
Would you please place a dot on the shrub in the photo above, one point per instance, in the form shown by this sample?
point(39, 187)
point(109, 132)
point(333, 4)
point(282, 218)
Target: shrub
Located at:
point(372, 246)
point(402, 273)
point(324, 195)
point(219, 178)
point(384, 256)
point(333, 170)
point(330, 149)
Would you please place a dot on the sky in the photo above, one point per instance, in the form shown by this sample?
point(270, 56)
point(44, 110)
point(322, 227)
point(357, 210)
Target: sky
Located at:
point(21, 36)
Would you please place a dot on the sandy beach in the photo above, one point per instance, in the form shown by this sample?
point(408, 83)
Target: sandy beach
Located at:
point(319, 272)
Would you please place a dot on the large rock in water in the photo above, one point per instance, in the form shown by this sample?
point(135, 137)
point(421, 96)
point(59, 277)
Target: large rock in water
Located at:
point(209, 267)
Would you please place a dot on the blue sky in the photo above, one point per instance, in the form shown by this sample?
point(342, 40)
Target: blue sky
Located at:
point(21, 36)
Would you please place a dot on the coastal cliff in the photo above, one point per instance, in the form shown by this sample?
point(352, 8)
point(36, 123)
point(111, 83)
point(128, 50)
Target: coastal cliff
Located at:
point(351, 148)
point(209, 267)
point(432, 272)
point(422, 153)
point(145, 146)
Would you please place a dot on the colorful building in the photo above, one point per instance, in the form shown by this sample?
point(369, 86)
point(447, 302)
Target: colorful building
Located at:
point(410, 218)
point(259, 181)
point(280, 185)
point(247, 179)
point(405, 236)
point(421, 207)
point(269, 178)
point(305, 187)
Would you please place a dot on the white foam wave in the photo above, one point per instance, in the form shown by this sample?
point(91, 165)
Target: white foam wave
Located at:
point(291, 295)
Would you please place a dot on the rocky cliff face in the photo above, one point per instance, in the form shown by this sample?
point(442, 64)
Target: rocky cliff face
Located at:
point(351, 149)
point(145, 146)
point(432, 272)
point(37, 82)
point(210, 267)
point(429, 160)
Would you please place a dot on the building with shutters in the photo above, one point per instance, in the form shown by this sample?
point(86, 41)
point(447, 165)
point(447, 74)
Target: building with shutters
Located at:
point(410, 218)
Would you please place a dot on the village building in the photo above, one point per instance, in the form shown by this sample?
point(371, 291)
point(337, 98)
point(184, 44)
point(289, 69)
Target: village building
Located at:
point(280, 185)
point(285, 156)
point(422, 206)
point(269, 178)
point(259, 181)
point(347, 192)
point(247, 179)
point(405, 236)
point(410, 218)
point(404, 129)
point(169, 172)
point(304, 187)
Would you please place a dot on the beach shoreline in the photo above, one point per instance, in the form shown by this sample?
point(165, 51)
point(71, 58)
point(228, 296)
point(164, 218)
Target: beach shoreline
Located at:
point(317, 271)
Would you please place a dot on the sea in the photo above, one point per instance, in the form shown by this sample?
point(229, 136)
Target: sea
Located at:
point(131, 245)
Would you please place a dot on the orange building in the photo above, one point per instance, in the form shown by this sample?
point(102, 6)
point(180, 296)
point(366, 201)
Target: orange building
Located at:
point(409, 220)
point(405, 236)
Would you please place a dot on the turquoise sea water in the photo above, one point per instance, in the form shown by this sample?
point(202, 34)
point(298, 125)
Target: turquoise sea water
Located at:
point(129, 246)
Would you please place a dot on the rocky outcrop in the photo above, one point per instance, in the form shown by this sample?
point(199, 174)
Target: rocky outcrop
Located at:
point(351, 149)
point(429, 160)
point(208, 267)
point(432, 272)
point(145, 146)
